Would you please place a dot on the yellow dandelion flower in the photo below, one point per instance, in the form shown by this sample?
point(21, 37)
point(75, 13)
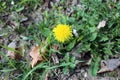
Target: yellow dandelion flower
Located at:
point(62, 33)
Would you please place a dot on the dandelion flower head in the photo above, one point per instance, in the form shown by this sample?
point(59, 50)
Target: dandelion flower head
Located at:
point(62, 33)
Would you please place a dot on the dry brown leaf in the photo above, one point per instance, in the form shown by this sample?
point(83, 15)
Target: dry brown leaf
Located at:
point(14, 54)
point(109, 65)
point(101, 24)
point(35, 54)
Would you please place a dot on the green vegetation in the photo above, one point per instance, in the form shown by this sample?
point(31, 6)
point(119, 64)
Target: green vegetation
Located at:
point(100, 43)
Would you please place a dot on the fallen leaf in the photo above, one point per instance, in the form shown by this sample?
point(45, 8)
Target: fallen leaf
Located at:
point(35, 54)
point(15, 53)
point(101, 24)
point(109, 65)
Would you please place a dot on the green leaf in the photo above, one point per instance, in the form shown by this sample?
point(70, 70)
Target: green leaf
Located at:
point(72, 60)
point(67, 57)
point(9, 48)
point(46, 32)
point(104, 38)
point(20, 9)
point(80, 38)
point(71, 19)
point(84, 47)
point(65, 70)
point(7, 70)
point(92, 29)
point(93, 36)
point(95, 66)
point(71, 45)
point(108, 51)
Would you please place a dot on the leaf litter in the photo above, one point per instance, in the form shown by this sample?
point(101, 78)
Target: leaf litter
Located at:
point(109, 65)
point(35, 54)
point(38, 51)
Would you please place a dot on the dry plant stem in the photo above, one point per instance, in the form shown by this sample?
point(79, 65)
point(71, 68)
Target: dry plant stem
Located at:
point(55, 58)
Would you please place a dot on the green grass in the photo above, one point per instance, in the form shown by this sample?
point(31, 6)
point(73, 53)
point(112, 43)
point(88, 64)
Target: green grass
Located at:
point(101, 44)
